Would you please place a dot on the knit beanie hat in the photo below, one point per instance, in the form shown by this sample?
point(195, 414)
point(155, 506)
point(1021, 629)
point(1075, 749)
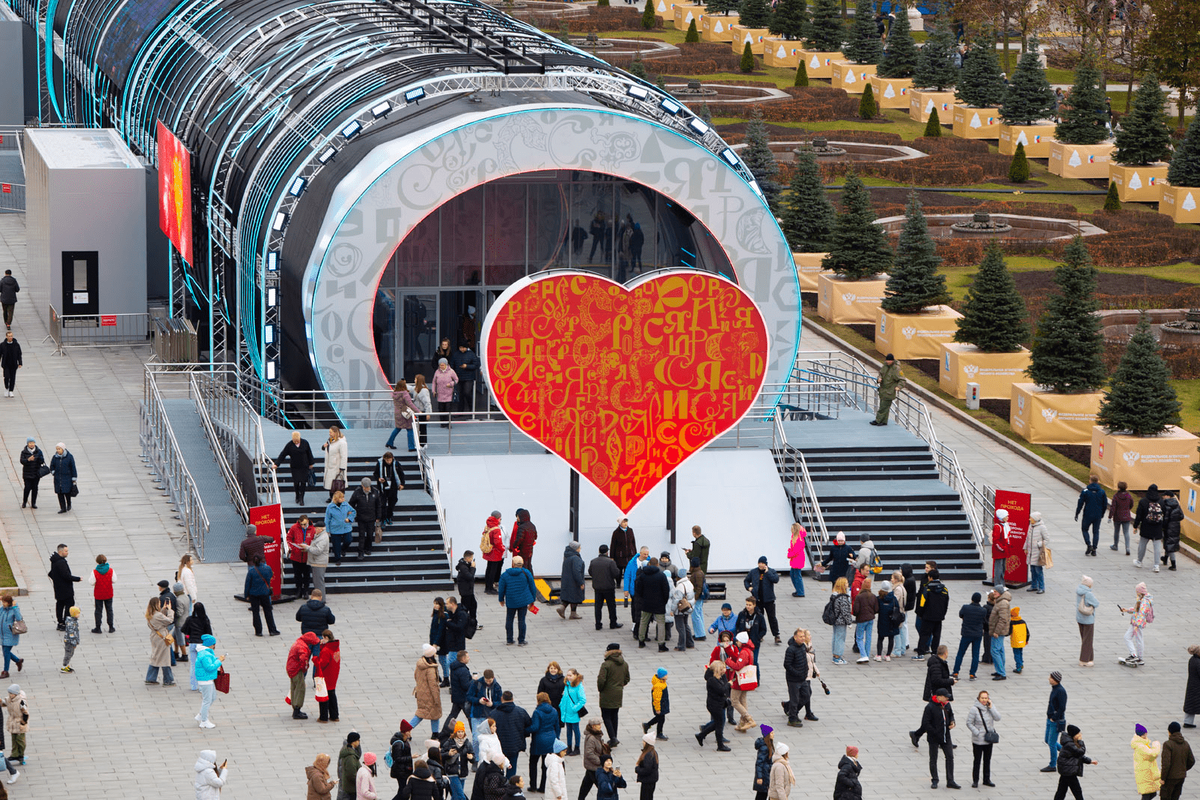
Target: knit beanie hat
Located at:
point(1086, 581)
point(208, 640)
point(1141, 589)
point(14, 689)
point(661, 673)
point(1072, 730)
point(743, 637)
point(1172, 728)
point(1057, 676)
point(766, 730)
point(1139, 729)
point(852, 751)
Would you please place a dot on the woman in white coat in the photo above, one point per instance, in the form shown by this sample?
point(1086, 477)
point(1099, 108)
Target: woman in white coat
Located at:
point(556, 773)
point(209, 777)
point(1036, 544)
point(337, 455)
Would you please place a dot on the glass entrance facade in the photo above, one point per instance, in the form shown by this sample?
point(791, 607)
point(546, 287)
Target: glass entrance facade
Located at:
point(445, 275)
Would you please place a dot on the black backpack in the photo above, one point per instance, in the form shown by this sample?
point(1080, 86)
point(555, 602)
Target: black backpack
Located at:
point(829, 615)
point(470, 628)
point(896, 616)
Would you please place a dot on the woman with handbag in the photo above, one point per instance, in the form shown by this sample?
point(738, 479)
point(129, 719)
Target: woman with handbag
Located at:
point(981, 722)
point(329, 665)
point(1037, 551)
point(12, 625)
point(337, 455)
point(207, 667)
point(257, 590)
point(404, 412)
point(159, 619)
point(62, 467)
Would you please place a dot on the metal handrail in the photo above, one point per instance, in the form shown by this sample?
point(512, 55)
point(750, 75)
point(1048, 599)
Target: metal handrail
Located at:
point(161, 449)
point(230, 412)
point(805, 492)
point(218, 447)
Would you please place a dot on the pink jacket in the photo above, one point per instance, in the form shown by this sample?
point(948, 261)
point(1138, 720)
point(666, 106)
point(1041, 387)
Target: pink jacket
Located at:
point(443, 384)
point(795, 553)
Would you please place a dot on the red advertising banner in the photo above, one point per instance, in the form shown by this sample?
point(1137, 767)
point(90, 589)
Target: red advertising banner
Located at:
point(108, 320)
point(1016, 563)
point(175, 191)
point(269, 521)
point(625, 383)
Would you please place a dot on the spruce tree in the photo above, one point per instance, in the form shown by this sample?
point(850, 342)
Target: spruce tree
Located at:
point(755, 13)
point(648, 19)
point(721, 6)
point(747, 64)
point(759, 159)
point(705, 113)
point(808, 217)
point(638, 69)
point(1029, 98)
point(826, 31)
point(980, 83)
point(864, 45)
point(858, 248)
point(1140, 399)
point(789, 20)
point(1112, 200)
point(692, 36)
point(1144, 136)
point(994, 317)
point(867, 107)
point(1018, 170)
point(1068, 346)
point(900, 59)
point(801, 74)
point(933, 127)
point(1084, 118)
point(935, 67)
point(1185, 164)
point(913, 282)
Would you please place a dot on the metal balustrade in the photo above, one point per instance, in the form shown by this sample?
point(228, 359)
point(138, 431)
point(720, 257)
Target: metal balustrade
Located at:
point(161, 450)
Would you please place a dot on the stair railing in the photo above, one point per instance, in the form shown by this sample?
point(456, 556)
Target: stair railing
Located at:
point(803, 490)
point(237, 425)
point(429, 476)
point(221, 455)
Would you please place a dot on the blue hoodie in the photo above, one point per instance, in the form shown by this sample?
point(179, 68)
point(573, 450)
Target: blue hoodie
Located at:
point(631, 570)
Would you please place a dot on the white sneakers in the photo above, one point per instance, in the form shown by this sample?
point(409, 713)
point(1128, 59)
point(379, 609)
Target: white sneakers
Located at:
point(13, 778)
point(1156, 567)
point(1137, 564)
point(207, 724)
point(864, 660)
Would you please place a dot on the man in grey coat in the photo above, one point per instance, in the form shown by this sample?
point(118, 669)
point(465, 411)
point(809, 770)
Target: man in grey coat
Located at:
point(606, 576)
point(571, 588)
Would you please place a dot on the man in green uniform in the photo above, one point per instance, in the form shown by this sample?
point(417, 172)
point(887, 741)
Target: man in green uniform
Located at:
point(699, 549)
point(890, 381)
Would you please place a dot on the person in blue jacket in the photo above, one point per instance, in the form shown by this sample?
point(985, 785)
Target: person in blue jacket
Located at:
point(339, 524)
point(258, 592)
point(631, 571)
point(208, 664)
point(725, 621)
point(516, 594)
point(460, 687)
point(543, 730)
point(1093, 502)
point(62, 467)
point(608, 781)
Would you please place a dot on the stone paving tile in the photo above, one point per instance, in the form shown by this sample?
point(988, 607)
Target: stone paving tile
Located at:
point(101, 733)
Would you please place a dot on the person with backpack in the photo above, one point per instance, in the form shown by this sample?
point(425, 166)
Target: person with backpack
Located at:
point(1143, 614)
point(1172, 518)
point(491, 544)
point(868, 556)
point(1093, 502)
point(760, 582)
point(838, 613)
point(1148, 523)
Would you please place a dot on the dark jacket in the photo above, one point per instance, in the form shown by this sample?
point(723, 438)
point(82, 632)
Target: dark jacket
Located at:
point(647, 770)
point(1145, 528)
point(420, 785)
point(543, 729)
point(10, 354)
point(1093, 502)
point(489, 782)
point(700, 549)
point(516, 587)
point(60, 574)
point(937, 676)
point(553, 685)
point(457, 764)
point(935, 722)
point(366, 505)
point(196, 626)
point(756, 581)
point(1072, 756)
point(479, 690)
point(762, 766)
point(755, 626)
point(884, 624)
point(299, 457)
point(437, 630)
point(1177, 757)
point(607, 784)
point(258, 581)
point(605, 574)
point(402, 761)
point(62, 467)
point(8, 290)
point(838, 561)
point(910, 588)
point(31, 463)
point(571, 588)
point(622, 546)
point(1172, 517)
point(866, 606)
point(466, 364)
point(314, 617)
point(1191, 699)
point(460, 682)
point(512, 727)
point(795, 662)
point(652, 589)
point(612, 679)
point(464, 578)
point(453, 636)
point(349, 762)
point(388, 477)
point(933, 602)
point(717, 691)
point(524, 538)
point(252, 546)
point(848, 786)
point(1056, 709)
point(974, 617)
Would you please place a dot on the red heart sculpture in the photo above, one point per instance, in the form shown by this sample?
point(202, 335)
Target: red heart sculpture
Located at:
point(625, 384)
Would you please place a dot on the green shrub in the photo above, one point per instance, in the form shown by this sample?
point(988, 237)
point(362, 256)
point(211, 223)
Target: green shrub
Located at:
point(867, 108)
point(648, 15)
point(801, 75)
point(1018, 171)
point(933, 128)
point(1112, 201)
point(747, 59)
point(692, 35)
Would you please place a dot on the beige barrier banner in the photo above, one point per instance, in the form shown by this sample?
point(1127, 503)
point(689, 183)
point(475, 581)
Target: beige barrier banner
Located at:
point(994, 372)
point(909, 336)
point(1141, 461)
point(849, 302)
point(808, 267)
point(1080, 160)
point(1049, 418)
point(1036, 139)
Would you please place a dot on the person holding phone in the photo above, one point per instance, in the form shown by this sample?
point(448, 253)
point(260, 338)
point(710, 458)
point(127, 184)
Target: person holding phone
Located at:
point(207, 665)
point(320, 784)
point(210, 777)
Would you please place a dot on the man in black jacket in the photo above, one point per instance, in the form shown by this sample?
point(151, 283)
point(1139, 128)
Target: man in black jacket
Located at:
point(367, 505)
point(605, 575)
point(936, 724)
point(938, 677)
point(795, 668)
point(653, 590)
point(314, 616)
point(298, 453)
point(512, 729)
point(8, 295)
point(754, 623)
point(460, 685)
point(10, 361)
point(974, 617)
point(466, 366)
point(760, 582)
point(64, 584)
point(454, 638)
point(32, 462)
point(464, 580)
point(932, 604)
point(253, 545)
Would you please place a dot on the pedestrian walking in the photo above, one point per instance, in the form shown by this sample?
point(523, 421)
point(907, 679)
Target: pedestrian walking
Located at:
point(800, 667)
point(1146, 774)
point(460, 689)
point(299, 456)
point(364, 779)
point(574, 703)
point(298, 538)
point(513, 724)
point(464, 580)
point(1148, 523)
point(328, 661)
point(1037, 543)
point(679, 608)
point(400, 749)
point(782, 776)
point(1056, 721)
point(660, 703)
point(1142, 614)
point(938, 676)
point(444, 381)
point(424, 401)
point(848, 786)
point(608, 781)
point(195, 628)
point(33, 467)
point(437, 633)
point(457, 758)
point(10, 360)
point(981, 722)
point(753, 623)
point(716, 702)
point(368, 510)
point(1172, 521)
point(1093, 502)
point(999, 625)
point(543, 733)
point(594, 753)
point(1177, 759)
point(257, 589)
point(936, 724)
point(700, 548)
point(797, 555)
point(646, 767)
point(404, 413)
point(10, 632)
point(389, 479)
point(623, 545)
point(483, 697)
point(339, 524)
point(454, 638)
point(516, 593)
point(760, 583)
point(606, 576)
point(62, 468)
point(1191, 697)
point(320, 784)
point(840, 558)
point(764, 751)
point(1120, 511)
point(491, 544)
point(891, 381)
point(932, 604)
point(556, 775)
point(865, 607)
point(349, 760)
point(16, 707)
point(8, 296)
point(571, 586)
point(70, 638)
point(337, 456)
point(743, 680)
point(297, 665)
point(210, 778)
point(206, 665)
point(159, 619)
point(318, 558)
point(611, 681)
point(1070, 763)
point(426, 690)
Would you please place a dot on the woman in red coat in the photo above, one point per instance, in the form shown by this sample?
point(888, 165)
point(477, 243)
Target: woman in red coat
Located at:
point(329, 666)
point(495, 556)
point(299, 536)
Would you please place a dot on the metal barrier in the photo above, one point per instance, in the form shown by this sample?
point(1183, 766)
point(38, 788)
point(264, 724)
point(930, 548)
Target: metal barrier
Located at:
point(236, 425)
point(175, 341)
point(12, 197)
point(97, 330)
point(161, 450)
point(808, 507)
point(226, 451)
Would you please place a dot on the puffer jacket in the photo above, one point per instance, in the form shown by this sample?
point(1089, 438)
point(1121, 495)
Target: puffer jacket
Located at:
point(848, 786)
point(795, 662)
point(1145, 528)
point(543, 729)
point(1085, 592)
point(1072, 755)
point(320, 786)
point(208, 779)
point(17, 707)
point(594, 750)
point(762, 766)
point(512, 727)
point(780, 779)
point(866, 606)
point(981, 719)
point(1145, 764)
point(299, 653)
point(314, 616)
point(426, 690)
point(1001, 617)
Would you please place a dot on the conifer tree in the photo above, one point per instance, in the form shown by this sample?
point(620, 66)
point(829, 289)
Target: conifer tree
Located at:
point(801, 74)
point(980, 83)
point(994, 317)
point(1029, 98)
point(1112, 200)
point(933, 127)
point(721, 6)
point(1084, 118)
point(864, 45)
point(705, 113)
point(1068, 346)
point(648, 19)
point(759, 159)
point(756, 13)
point(1140, 399)
point(1185, 164)
point(1144, 136)
point(1018, 170)
point(692, 36)
point(867, 107)
point(935, 67)
point(826, 31)
point(913, 282)
point(900, 60)
point(808, 217)
point(638, 69)
point(747, 64)
point(858, 248)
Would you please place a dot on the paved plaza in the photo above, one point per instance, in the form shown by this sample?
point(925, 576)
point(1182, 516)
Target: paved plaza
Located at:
point(102, 733)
